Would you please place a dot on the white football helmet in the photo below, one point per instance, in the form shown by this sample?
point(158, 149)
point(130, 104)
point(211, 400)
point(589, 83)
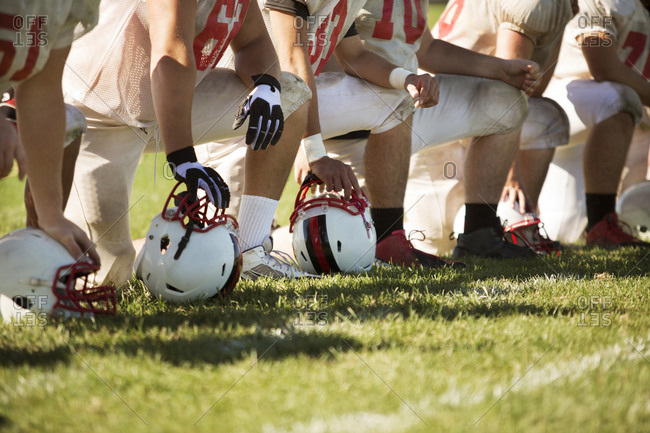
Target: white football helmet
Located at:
point(633, 207)
point(40, 278)
point(331, 234)
point(191, 252)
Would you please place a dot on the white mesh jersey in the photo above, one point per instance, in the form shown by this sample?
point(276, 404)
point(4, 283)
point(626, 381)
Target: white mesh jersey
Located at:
point(31, 29)
point(474, 24)
point(626, 21)
point(327, 24)
point(108, 69)
point(393, 29)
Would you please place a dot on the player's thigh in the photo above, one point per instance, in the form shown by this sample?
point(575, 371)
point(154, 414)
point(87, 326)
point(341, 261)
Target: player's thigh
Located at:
point(347, 103)
point(219, 95)
point(468, 107)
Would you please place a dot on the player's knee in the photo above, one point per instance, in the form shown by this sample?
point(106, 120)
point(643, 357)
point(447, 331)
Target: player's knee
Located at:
point(626, 100)
point(546, 126)
point(295, 93)
point(504, 104)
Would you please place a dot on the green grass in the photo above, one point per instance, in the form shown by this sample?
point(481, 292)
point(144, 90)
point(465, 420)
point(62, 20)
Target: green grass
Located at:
point(552, 345)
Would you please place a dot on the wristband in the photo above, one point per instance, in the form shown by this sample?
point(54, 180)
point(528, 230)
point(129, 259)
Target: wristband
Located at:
point(313, 147)
point(186, 154)
point(267, 79)
point(397, 78)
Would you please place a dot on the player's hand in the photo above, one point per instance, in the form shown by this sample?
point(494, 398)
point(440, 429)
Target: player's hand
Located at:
point(70, 236)
point(336, 176)
point(424, 89)
point(522, 74)
point(300, 167)
point(263, 106)
point(194, 175)
point(10, 149)
point(513, 192)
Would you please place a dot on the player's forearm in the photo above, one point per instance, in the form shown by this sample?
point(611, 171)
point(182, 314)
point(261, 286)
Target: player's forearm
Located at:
point(620, 73)
point(41, 123)
point(291, 45)
point(173, 70)
point(172, 88)
point(442, 57)
point(368, 66)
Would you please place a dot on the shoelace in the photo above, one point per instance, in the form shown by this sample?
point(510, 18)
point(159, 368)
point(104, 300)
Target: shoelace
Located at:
point(284, 260)
point(621, 230)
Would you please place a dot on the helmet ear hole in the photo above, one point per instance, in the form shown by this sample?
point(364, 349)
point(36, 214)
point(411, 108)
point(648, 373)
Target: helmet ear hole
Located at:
point(164, 244)
point(338, 246)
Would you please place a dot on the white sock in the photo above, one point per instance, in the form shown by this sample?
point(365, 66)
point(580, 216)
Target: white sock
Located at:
point(255, 218)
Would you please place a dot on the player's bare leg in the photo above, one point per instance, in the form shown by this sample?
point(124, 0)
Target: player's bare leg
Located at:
point(267, 170)
point(603, 160)
point(386, 161)
point(487, 164)
point(605, 153)
point(266, 174)
point(533, 166)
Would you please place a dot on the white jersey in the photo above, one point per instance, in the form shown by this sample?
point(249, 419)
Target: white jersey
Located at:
point(626, 21)
point(108, 69)
point(327, 24)
point(474, 24)
point(31, 29)
point(393, 29)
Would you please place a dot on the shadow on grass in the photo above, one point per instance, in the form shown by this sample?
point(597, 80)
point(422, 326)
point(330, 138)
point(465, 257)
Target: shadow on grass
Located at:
point(216, 349)
point(13, 357)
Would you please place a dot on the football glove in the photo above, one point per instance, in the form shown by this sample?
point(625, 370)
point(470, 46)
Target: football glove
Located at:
point(263, 106)
point(194, 175)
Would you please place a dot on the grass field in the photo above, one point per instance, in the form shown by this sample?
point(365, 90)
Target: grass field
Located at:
point(546, 345)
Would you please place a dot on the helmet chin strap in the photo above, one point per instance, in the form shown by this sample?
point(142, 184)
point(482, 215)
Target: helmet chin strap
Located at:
point(184, 240)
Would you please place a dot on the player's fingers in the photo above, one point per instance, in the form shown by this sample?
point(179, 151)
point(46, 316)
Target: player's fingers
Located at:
point(347, 187)
point(354, 181)
point(512, 198)
point(413, 91)
point(504, 194)
point(87, 246)
point(522, 201)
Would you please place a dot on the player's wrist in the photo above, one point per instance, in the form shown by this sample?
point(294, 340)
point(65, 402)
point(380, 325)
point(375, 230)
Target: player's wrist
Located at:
point(398, 77)
point(178, 157)
point(314, 147)
point(267, 79)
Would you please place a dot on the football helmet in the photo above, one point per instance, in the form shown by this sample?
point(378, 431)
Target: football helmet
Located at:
point(526, 229)
point(331, 234)
point(633, 207)
point(191, 251)
point(40, 278)
point(523, 229)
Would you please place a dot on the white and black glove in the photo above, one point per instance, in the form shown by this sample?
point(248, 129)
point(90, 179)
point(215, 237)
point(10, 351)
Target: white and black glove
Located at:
point(194, 175)
point(266, 119)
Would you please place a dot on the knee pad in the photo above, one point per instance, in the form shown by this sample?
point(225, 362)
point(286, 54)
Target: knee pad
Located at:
point(546, 126)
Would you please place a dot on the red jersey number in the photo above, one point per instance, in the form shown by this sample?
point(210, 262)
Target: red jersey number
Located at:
point(638, 42)
point(218, 31)
point(320, 40)
point(449, 17)
point(384, 27)
point(8, 48)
